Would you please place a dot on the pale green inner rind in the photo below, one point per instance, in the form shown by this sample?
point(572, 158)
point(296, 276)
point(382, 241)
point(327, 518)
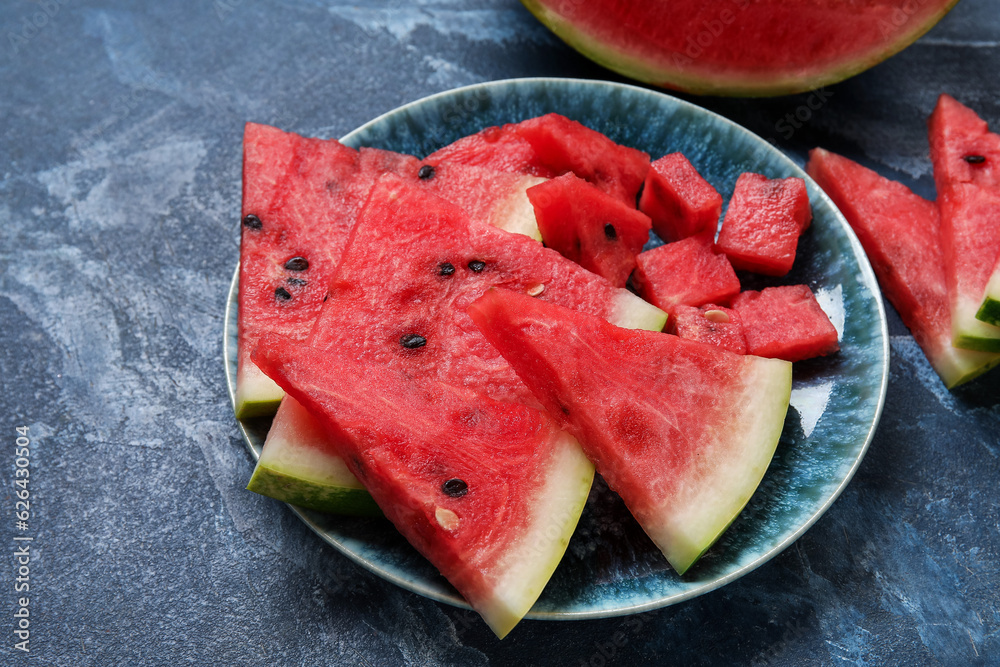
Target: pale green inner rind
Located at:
point(529, 564)
point(989, 309)
point(317, 495)
point(516, 214)
point(970, 333)
point(956, 366)
point(718, 499)
point(712, 83)
point(630, 312)
point(256, 394)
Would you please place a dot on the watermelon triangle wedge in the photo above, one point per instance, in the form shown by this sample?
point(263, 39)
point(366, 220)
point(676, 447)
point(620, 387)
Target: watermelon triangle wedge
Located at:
point(489, 491)
point(682, 431)
point(966, 157)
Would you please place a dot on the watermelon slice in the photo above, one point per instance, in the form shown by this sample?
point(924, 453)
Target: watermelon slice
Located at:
point(966, 158)
point(489, 492)
point(300, 199)
point(989, 309)
point(762, 225)
point(740, 47)
point(549, 146)
point(785, 322)
point(589, 227)
point(899, 231)
point(680, 202)
point(688, 272)
point(682, 431)
point(413, 264)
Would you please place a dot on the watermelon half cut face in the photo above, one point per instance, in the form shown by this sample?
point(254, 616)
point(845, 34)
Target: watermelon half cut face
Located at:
point(835, 401)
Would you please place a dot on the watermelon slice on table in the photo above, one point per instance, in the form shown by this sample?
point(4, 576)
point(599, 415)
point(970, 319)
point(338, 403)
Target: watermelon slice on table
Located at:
point(688, 272)
point(785, 322)
point(680, 202)
point(966, 158)
point(589, 227)
point(413, 264)
point(899, 231)
point(682, 431)
point(549, 146)
point(761, 228)
point(489, 492)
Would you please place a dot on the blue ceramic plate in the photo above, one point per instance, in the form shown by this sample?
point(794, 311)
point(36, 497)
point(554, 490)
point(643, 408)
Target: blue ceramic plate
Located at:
point(611, 567)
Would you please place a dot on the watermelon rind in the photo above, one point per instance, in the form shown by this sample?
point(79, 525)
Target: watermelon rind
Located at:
point(989, 309)
point(516, 214)
point(256, 394)
point(970, 331)
point(631, 312)
point(716, 502)
point(670, 70)
point(296, 466)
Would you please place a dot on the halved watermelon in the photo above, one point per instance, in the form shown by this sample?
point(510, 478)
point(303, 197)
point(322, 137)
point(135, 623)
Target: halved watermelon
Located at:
point(300, 199)
point(743, 47)
point(966, 158)
point(413, 264)
point(899, 231)
point(488, 491)
point(682, 431)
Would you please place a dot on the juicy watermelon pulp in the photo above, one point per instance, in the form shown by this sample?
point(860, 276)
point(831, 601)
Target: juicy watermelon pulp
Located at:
point(682, 431)
point(488, 491)
point(739, 47)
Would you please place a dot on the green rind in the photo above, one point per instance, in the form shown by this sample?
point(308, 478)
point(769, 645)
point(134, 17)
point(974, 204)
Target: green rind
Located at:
point(256, 394)
point(989, 310)
point(740, 86)
point(971, 333)
point(759, 424)
point(311, 494)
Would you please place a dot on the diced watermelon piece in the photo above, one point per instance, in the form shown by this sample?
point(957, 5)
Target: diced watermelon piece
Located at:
point(899, 231)
point(589, 227)
point(785, 322)
point(489, 492)
point(687, 272)
point(966, 158)
point(552, 145)
point(682, 431)
point(712, 324)
point(762, 225)
point(680, 202)
point(413, 263)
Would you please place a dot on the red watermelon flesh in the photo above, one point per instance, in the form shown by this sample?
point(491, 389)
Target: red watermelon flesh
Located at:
point(488, 491)
point(589, 227)
point(711, 324)
point(785, 322)
point(899, 231)
point(744, 47)
point(300, 198)
point(549, 146)
point(682, 431)
point(678, 200)
point(687, 272)
point(966, 158)
point(762, 225)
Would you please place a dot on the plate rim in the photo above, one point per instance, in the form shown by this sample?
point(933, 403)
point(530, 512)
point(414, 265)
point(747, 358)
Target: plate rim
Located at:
point(452, 598)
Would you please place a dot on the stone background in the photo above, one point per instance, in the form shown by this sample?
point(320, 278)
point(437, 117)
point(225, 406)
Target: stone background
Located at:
point(120, 131)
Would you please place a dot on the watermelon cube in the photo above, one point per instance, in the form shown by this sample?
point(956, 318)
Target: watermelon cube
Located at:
point(785, 322)
point(715, 325)
point(687, 272)
point(592, 228)
point(678, 200)
point(762, 225)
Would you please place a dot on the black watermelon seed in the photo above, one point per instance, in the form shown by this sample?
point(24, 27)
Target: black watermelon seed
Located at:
point(975, 159)
point(610, 231)
point(282, 293)
point(477, 265)
point(251, 221)
point(412, 341)
point(425, 172)
point(446, 269)
point(455, 487)
point(298, 282)
point(297, 264)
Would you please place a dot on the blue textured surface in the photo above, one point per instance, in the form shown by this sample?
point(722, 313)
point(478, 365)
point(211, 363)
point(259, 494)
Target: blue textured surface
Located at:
point(119, 202)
